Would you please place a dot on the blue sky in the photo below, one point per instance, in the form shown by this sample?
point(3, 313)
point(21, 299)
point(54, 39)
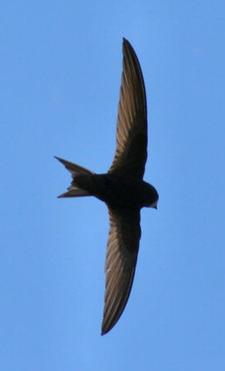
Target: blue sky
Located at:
point(60, 69)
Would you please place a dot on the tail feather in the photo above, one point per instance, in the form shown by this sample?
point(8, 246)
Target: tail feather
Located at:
point(74, 169)
point(74, 192)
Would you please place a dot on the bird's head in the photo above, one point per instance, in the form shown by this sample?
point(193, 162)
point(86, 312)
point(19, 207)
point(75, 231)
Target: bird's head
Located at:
point(153, 197)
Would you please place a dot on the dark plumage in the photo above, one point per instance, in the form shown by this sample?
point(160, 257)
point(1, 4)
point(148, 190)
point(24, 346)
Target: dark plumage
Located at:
point(122, 188)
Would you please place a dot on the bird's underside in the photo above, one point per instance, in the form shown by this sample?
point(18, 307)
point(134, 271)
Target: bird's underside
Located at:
point(124, 210)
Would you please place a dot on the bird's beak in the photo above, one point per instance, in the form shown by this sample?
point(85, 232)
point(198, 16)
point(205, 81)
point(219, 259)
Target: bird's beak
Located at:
point(154, 205)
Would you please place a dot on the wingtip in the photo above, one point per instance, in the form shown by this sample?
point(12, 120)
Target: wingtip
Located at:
point(104, 331)
point(128, 48)
point(125, 41)
point(107, 325)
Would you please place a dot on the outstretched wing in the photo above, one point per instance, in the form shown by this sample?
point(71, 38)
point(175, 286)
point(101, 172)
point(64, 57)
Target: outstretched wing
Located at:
point(131, 149)
point(123, 245)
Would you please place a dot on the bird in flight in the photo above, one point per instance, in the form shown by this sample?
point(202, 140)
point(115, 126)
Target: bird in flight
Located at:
point(122, 188)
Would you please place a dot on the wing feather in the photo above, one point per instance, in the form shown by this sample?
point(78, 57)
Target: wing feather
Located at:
point(121, 258)
point(131, 148)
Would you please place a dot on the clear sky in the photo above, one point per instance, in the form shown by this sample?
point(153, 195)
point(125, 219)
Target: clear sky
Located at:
point(60, 70)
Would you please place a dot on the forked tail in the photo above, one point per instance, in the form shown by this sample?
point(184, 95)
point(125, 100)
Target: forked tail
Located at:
point(74, 169)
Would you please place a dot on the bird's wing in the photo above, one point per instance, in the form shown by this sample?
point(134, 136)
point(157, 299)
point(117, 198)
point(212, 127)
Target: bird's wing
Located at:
point(131, 138)
point(122, 251)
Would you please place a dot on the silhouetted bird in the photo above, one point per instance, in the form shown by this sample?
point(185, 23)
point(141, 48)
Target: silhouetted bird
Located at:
point(122, 188)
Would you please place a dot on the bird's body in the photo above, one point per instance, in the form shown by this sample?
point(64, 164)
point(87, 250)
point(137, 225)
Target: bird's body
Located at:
point(117, 191)
point(122, 188)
